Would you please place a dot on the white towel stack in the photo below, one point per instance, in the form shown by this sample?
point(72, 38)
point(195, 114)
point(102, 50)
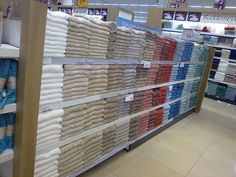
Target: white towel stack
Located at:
point(79, 31)
point(137, 44)
point(223, 65)
point(46, 165)
point(115, 77)
point(220, 76)
point(108, 142)
point(73, 121)
point(92, 147)
point(225, 53)
point(76, 81)
point(122, 133)
point(56, 32)
point(71, 158)
point(49, 128)
point(98, 79)
point(51, 85)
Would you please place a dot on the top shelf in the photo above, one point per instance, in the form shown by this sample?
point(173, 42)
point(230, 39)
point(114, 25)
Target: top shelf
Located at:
point(8, 51)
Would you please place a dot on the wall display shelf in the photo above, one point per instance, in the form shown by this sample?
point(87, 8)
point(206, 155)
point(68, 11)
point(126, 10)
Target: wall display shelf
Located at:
point(221, 46)
point(230, 84)
point(8, 51)
point(225, 59)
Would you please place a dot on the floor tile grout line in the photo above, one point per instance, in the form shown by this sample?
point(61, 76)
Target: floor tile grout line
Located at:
point(200, 157)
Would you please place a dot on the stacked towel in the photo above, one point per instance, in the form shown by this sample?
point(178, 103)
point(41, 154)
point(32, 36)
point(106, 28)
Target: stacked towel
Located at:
point(220, 76)
point(115, 77)
point(79, 30)
point(121, 43)
point(7, 123)
point(198, 53)
point(133, 131)
point(156, 118)
point(231, 94)
point(149, 50)
point(147, 99)
point(92, 147)
point(166, 113)
point(49, 128)
point(136, 104)
point(46, 165)
point(225, 53)
point(174, 110)
point(159, 95)
point(95, 114)
point(112, 38)
point(159, 47)
point(152, 122)
point(168, 50)
point(141, 76)
point(231, 70)
point(137, 44)
point(98, 79)
point(76, 81)
point(108, 142)
point(164, 73)
point(71, 158)
point(230, 79)
point(111, 109)
point(124, 107)
point(51, 85)
point(122, 133)
point(8, 74)
point(56, 33)
point(223, 65)
point(143, 124)
point(152, 74)
point(73, 120)
point(129, 76)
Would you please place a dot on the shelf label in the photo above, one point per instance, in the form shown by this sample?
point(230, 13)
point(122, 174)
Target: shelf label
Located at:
point(129, 98)
point(181, 65)
point(191, 35)
point(147, 64)
point(170, 87)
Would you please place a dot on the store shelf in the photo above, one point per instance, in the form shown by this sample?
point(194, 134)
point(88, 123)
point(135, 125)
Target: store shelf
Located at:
point(102, 127)
point(6, 156)
point(172, 30)
point(8, 109)
point(216, 98)
point(220, 46)
point(8, 51)
point(125, 61)
point(220, 35)
point(66, 104)
point(225, 59)
point(231, 84)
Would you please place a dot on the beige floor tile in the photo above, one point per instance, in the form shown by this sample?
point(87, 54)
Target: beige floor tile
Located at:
point(144, 166)
point(99, 171)
point(171, 155)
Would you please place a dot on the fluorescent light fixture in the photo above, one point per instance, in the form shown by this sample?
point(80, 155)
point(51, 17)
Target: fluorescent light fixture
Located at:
point(121, 4)
point(140, 21)
point(140, 12)
point(230, 7)
point(206, 7)
point(140, 17)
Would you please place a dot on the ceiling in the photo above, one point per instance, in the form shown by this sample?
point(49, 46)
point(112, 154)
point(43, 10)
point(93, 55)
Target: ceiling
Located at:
point(141, 7)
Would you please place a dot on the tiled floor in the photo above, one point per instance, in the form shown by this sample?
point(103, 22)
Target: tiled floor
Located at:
point(202, 145)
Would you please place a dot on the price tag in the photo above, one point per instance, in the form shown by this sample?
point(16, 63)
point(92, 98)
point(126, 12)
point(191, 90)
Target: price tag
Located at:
point(181, 65)
point(129, 97)
point(147, 64)
point(191, 35)
point(170, 87)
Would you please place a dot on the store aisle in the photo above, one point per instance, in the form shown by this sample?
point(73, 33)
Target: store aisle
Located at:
point(202, 145)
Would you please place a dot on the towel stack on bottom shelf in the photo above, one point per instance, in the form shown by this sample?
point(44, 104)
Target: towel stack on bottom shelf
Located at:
point(122, 133)
point(108, 143)
point(231, 94)
point(143, 124)
point(166, 113)
point(133, 131)
point(174, 110)
point(92, 147)
point(76, 81)
point(115, 77)
point(98, 80)
point(71, 158)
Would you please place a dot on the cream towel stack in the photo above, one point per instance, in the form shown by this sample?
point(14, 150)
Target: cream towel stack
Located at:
point(108, 142)
point(111, 109)
point(141, 76)
point(149, 50)
point(129, 76)
point(115, 77)
point(122, 133)
point(133, 132)
point(124, 108)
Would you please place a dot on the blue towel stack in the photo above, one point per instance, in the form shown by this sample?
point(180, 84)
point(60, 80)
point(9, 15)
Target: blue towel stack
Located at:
point(168, 95)
point(199, 53)
point(192, 70)
point(180, 90)
point(174, 110)
point(187, 52)
point(185, 103)
point(193, 101)
point(182, 72)
point(195, 86)
point(179, 50)
point(187, 87)
point(174, 72)
point(212, 87)
point(166, 113)
point(176, 91)
point(7, 122)
point(231, 94)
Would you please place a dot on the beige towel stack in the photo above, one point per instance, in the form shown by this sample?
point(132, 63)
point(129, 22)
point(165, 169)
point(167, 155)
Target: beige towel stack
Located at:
point(112, 38)
point(129, 76)
point(71, 158)
point(122, 133)
point(73, 121)
point(46, 165)
point(51, 85)
point(95, 113)
point(149, 50)
point(108, 142)
point(76, 81)
point(55, 34)
point(121, 43)
point(49, 128)
point(111, 109)
point(98, 79)
point(92, 147)
point(141, 76)
point(124, 107)
point(133, 132)
point(115, 77)
point(137, 44)
point(79, 31)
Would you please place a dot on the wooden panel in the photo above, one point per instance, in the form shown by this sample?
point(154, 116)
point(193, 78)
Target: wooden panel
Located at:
point(28, 87)
point(204, 80)
point(154, 18)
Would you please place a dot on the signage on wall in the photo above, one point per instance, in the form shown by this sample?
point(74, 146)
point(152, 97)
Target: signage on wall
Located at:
point(218, 18)
point(67, 10)
point(168, 15)
point(177, 4)
point(181, 16)
point(194, 16)
point(98, 12)
point(219, 4)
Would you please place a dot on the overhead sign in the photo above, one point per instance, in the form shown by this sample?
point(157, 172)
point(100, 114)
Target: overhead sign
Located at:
point(219, 4)
point(177, 3)
point(229, 19)
point(181, 16)
point(168, 15)
point(194, 16)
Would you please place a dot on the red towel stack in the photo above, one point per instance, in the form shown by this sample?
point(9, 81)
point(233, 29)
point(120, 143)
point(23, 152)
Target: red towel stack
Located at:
point(159, 96)
point(164, 73)
point(152, 74)
point(137, 104)
point(159, 47)
point(143, 124)
point(169, 49)
point(147, 99)
point(155, 118)
point(159, 118)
